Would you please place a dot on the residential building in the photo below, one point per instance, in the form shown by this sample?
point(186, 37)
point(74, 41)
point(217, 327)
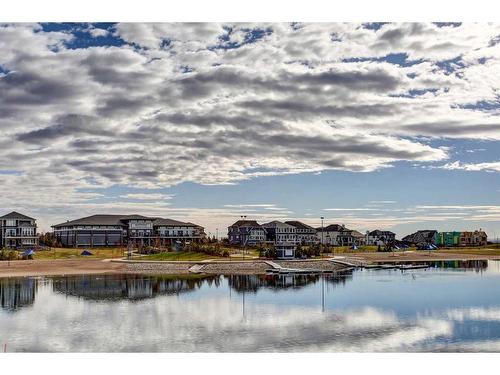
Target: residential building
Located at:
point(359, 238)
point(380, 237)
point(306, 235)
point(283, 236)
point(422, 238)
point(118, 230)
point(476, 238)
point(168, 231)
point(246, 233)
point(17, 230)
point(335, 235)
point(448, 238)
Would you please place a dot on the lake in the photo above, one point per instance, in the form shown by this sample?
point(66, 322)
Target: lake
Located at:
point(452, 306)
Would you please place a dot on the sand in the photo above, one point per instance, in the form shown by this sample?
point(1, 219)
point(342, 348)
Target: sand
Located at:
point(99, 266)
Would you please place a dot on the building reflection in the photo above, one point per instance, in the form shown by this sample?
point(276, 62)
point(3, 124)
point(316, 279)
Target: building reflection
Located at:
point(117, 287)
point(252, 283)
point(16, 293)
point(474, 265)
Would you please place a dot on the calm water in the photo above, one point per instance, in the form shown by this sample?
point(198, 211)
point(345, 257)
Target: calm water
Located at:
point(437, 309)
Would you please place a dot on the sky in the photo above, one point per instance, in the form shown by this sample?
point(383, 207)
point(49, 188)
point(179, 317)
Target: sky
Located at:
point(374, 125)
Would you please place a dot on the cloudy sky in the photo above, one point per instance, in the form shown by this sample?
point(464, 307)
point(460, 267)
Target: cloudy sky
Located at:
point(392, 126)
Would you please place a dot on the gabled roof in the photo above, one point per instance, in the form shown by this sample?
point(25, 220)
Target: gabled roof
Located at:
point(94, 220)
point(333, 228)
point(378, 232)
point(355, 233)
point(246, 223)
point(172, 223)
point(16, 215)
point(299, 225)
point(121, 220)
point(136, 217)
point(277, 224)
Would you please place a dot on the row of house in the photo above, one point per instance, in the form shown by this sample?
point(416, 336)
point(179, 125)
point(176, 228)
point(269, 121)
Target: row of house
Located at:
point(448, 239)
point(18, 230)
point(285, 236)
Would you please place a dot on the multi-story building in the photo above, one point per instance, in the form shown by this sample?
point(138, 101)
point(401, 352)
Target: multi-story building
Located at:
point(448, 238)
point(306, 235)
point(476, 238)
point(336, 235)
point(358, 238)
point(283, 236)
point(117, 230)
point(246, 233)
point(380, 237)
point(17, 230)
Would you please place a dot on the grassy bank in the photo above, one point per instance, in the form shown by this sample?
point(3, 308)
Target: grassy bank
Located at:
point(179, 256)
point(70, 253)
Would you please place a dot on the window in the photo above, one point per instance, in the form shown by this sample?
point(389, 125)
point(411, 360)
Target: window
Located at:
point(10, 223)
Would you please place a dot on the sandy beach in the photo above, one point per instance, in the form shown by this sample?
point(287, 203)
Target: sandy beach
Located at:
point(108, 266)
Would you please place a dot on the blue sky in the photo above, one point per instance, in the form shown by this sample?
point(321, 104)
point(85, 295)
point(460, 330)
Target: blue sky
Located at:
point(391, 126)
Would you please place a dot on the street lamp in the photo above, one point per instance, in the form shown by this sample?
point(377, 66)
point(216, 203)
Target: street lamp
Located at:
point(322, 236)
point(243, 217)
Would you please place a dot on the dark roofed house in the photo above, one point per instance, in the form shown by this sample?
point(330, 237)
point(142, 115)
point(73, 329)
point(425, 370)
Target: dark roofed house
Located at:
point(118, 230)
point(380, 237)
point(358, 237)
point(306, 235)
point(335, 235)
point(246, 233)
point(17, 230)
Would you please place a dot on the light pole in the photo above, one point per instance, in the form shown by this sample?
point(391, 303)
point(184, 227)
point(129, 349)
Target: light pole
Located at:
point(322, 236)
point(243, 217)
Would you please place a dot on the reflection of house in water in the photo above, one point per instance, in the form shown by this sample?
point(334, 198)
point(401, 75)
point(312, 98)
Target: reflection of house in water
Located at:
point(252, 283)
point(464, 264)
point(127, 286)
point(17, 292)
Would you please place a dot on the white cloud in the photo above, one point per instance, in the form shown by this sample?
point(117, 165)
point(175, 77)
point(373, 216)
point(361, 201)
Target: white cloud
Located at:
point(490, 167)
point(221, 103)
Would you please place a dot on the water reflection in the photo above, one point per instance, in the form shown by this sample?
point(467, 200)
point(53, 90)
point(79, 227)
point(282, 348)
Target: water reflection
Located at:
point(17, 292)
point(131, 287)
point(284, 313)
point(253, 283)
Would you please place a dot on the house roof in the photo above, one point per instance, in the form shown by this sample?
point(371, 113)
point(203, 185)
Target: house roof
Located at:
point(299, 225)
point(246, 223)
point(172, 223)
point(277, 224)
point(355, 233)
point(378, 232)
point(16, 215)
point(137, 217)
point(119, 220)
point(94, 220)
point(333, 228)
point(420, 235)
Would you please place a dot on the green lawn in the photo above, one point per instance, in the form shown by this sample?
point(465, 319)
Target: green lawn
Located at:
point(180, 255)
point(71, 253)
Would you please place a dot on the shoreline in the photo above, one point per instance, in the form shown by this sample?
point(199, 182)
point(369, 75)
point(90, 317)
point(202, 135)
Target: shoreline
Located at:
point(60, 267)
